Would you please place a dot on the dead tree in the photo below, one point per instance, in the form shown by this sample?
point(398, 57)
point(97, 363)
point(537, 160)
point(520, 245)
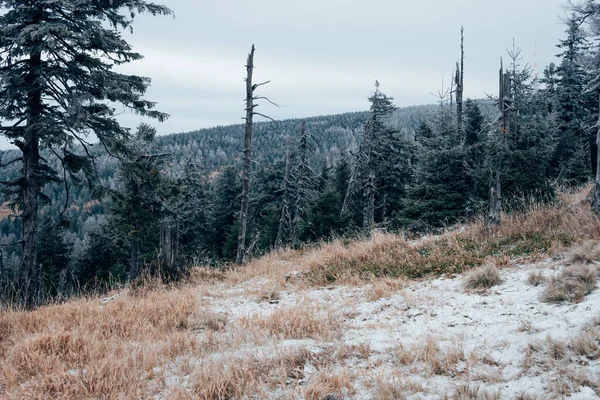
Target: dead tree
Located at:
point(241, 255)
point(168, 255)
point(459, 82)
point(505, 106)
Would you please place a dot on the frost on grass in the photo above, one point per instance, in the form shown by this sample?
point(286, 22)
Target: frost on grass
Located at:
point(572, 284)
point(536, 278)
point(482, 278)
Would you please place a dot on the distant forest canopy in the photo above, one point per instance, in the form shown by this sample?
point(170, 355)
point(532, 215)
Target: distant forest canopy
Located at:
point(138, 204)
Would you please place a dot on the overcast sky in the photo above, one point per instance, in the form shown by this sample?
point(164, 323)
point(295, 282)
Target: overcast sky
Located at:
point(323, 56)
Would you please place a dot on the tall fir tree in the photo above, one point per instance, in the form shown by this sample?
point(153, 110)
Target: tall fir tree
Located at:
point(57, 85)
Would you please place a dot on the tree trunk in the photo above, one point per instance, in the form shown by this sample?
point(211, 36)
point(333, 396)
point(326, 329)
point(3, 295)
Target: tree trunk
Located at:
point(241, 249)
point(504, 103)
point(460, 88)
point(32, 290)
point(369, 213)
point(596, 194)
point(495, 200)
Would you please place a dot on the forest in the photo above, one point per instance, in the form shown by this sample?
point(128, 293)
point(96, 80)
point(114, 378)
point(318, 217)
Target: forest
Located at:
point(81, 217)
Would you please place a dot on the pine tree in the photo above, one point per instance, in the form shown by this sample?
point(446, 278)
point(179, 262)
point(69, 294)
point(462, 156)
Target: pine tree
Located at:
point(54, 257)
point(137, 207)
point(474, 134)
point(573, 105)
point(57, 86)
point(440, 185)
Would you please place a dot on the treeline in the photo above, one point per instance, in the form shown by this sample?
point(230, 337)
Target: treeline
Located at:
point(173, 202)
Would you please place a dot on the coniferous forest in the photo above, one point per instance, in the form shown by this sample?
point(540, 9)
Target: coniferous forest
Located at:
point(88, 204)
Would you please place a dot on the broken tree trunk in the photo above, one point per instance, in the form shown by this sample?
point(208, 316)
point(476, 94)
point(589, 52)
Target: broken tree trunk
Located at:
point(504, 104)
point(460, 74)
point(241, 249)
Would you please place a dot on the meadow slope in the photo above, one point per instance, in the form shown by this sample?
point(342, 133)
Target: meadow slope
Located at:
point(469, 314)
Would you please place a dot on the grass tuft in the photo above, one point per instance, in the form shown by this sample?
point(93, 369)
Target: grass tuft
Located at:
point(482, 278)
point(571, 285)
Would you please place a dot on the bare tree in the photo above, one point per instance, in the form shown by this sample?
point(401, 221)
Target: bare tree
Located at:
point(459, 82)
point(241, 256)
point(505, 106)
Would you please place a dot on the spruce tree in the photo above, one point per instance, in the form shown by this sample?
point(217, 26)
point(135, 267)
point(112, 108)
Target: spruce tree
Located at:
point(573, 105)
point(57, 87)
point(137, 205)
point(440, 185)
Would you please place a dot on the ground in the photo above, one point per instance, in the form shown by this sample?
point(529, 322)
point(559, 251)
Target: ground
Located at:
point(473, 313)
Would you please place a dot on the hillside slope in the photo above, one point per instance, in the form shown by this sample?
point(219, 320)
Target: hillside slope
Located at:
point(383, 318)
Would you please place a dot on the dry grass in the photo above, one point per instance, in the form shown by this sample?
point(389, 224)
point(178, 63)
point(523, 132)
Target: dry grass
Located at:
point(536, 278)
point(248, 376)
point(587, 344)
point(331, 385)
point(572, 284)
point(303, 321)
point(86, 349)
point(395, 388)
point(539, 230)
point(385, 287)
point(584, 253)
point(468, 392)
point(482, 278)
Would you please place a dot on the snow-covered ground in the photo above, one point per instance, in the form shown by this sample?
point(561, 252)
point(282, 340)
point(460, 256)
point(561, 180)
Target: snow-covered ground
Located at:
point(421, 340)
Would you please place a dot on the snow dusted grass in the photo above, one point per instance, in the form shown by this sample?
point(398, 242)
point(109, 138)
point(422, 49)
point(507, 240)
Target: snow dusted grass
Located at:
point(381, 318)
point(482, 278)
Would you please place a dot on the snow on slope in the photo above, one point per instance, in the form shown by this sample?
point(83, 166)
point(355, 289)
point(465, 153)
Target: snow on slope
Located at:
point(426, 340)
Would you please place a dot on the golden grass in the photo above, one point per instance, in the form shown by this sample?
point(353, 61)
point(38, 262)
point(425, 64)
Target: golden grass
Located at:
point(86, 349)
point(302, 321)
point(482, 278)
point(244, 377)
point(329, 384)
point(572, 284)
point(540, 230)
point(127, 347)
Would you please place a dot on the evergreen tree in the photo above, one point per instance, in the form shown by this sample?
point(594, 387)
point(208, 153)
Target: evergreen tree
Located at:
point(440, 185)
point(54, 256)
point(474, 126)
point(57, 86)
point(226, 203)
point(573, 105)
point(138, 208)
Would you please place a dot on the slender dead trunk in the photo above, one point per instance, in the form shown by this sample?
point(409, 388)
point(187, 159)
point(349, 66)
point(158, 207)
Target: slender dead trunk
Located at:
point(596, 194)
point(460, 87)
point(241, 249)
point(32, 290)
point(504, 104)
